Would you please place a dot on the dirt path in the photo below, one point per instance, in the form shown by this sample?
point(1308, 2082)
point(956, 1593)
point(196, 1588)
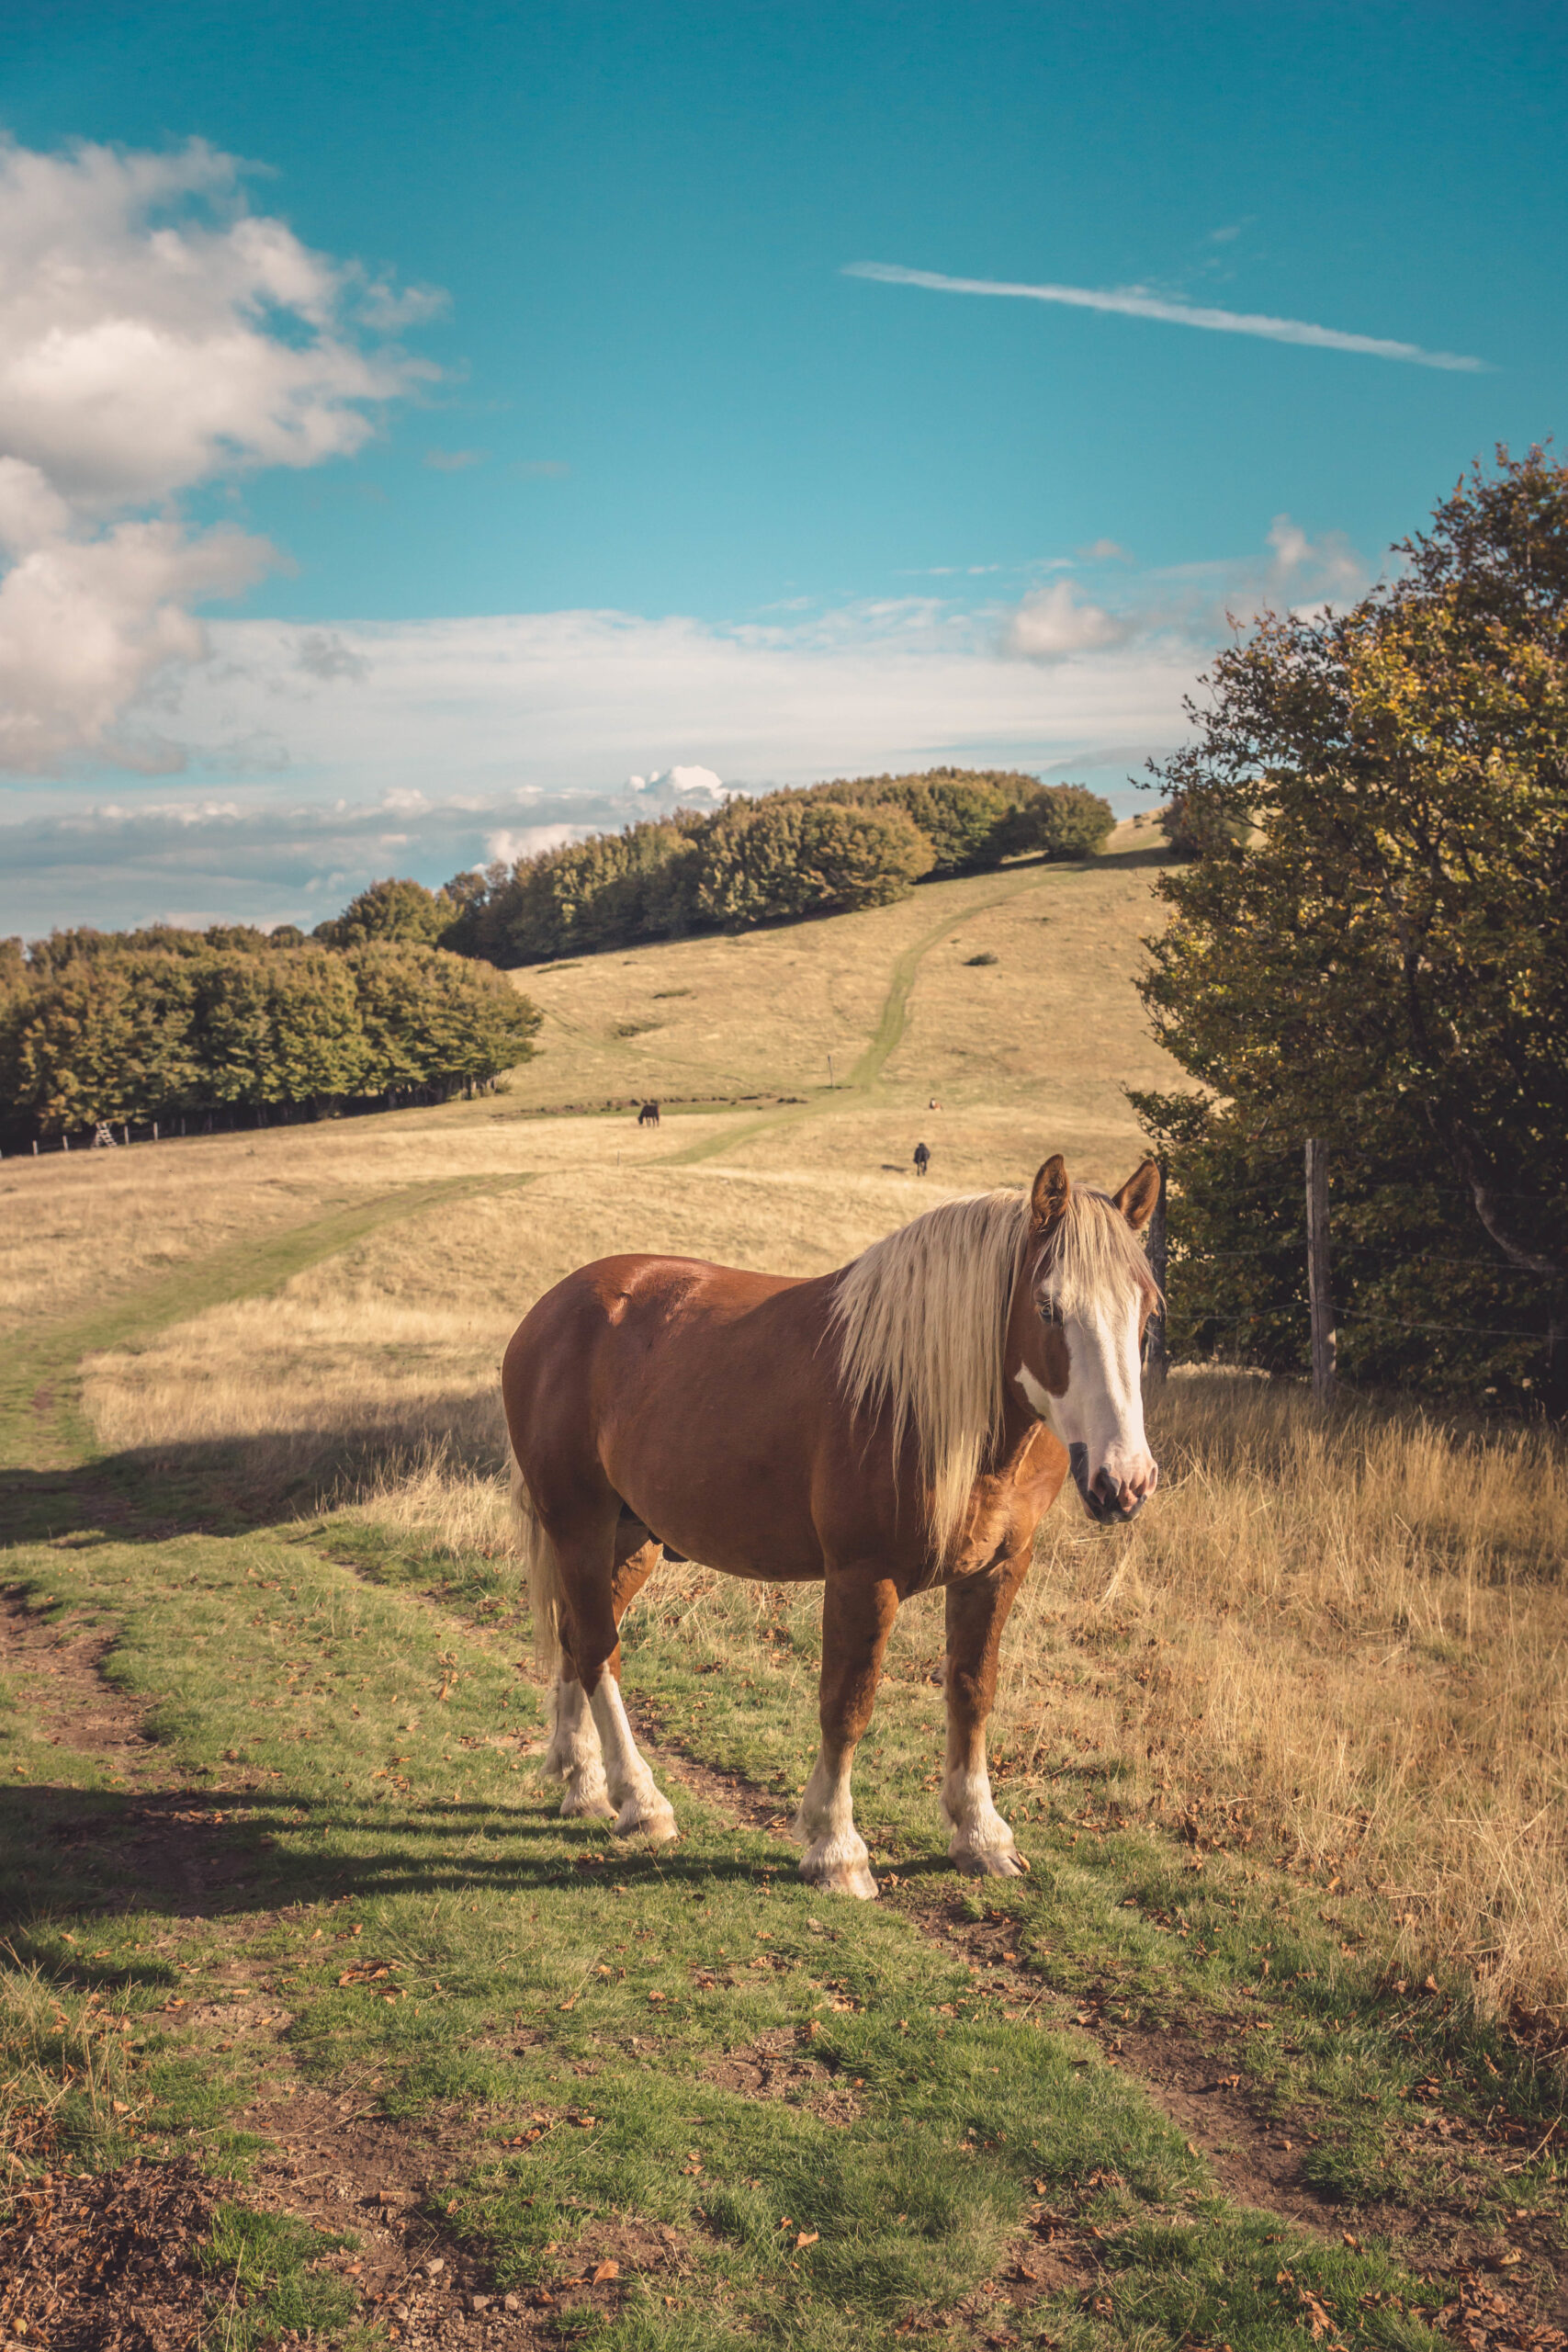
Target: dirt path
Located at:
point(75, 2250)
point(885, 1037)
point(1190, 2069)
point(1183, 2072)
point(42, 1425)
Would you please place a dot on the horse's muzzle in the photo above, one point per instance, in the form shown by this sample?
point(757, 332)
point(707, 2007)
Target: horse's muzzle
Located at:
point(1108, 1501)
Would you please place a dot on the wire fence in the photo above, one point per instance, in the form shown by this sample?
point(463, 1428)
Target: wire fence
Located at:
point(1308, 1251)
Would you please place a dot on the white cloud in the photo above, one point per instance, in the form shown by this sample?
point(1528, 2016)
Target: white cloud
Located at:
point(526, 841)
point(682, 787)
point(1053, 622)
point(499, 735)
point(323, 654)
point(1133, 302)
point(84, 625)
point(454, 462)
point(1104, 551)
point(153, 335)
point(556, 712)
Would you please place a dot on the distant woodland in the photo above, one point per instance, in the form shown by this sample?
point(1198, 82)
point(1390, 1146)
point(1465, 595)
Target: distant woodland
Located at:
point(401, 998)
point(164, 1025)
point(858, 843)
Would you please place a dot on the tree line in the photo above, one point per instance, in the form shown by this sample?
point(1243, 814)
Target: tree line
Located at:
point(163, 1024)
point(1367, 944)
point(862, 841)
point(401, 994)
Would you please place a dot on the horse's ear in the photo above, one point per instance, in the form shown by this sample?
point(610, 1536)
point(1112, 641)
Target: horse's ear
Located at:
point(1139, 1196)
point(1052, 1192)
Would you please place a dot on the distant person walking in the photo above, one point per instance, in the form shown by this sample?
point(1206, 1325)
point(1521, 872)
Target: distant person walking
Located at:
point(922, 1160)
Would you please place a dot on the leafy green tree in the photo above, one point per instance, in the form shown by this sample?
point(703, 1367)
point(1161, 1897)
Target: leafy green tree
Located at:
point(66, 1044)
point(431, 1018)
point(1058, 820)
point(105, 1037)
point(394, 909)
point(1369, 944)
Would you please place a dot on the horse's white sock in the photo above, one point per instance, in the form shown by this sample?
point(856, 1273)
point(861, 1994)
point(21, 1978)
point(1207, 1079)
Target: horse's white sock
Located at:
point(633, 1789)
point(981, 1838)
point(835, 1852)
point(573, 1755)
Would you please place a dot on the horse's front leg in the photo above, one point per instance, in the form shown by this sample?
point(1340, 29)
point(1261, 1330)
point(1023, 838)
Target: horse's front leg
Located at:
point(977, 1609)
point(857, 1617)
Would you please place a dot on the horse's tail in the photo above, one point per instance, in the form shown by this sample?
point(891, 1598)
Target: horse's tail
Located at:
point(542, 1563)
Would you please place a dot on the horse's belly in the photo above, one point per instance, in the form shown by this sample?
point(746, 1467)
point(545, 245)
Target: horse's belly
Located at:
point(737, 1531)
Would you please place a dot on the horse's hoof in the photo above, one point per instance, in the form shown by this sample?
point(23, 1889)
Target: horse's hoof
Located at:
point(990, 1862)
point(587, 1804)
point(850, 1878)
point(651, 1815)
point(841, 1874)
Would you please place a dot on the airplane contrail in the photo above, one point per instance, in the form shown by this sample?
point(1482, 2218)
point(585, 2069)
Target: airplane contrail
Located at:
point(1133, 305)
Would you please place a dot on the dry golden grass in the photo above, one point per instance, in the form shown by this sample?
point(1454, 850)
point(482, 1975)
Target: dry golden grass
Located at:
point(1053, 1028)
point(1037, 1045)
point(1347, 1633)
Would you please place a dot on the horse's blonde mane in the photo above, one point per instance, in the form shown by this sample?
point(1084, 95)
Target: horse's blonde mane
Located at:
point(922, 1313)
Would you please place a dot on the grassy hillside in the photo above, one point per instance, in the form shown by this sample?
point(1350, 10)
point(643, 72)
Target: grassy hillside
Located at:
point(1265, 2051)
point(1037, 1043)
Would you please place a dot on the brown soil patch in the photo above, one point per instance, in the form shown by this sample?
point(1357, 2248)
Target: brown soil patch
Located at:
point(168, 1845)
point(1185, 2070)
point(1191, 2071)
point(64, 1661)
point(772, 2067)
point(109, 2263)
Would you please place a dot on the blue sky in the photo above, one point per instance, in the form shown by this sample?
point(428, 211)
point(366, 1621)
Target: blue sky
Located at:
point(580, 456)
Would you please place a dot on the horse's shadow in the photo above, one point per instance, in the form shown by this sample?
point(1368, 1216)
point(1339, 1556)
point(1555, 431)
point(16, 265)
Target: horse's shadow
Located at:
point(84, 1851)
point(233, 1486)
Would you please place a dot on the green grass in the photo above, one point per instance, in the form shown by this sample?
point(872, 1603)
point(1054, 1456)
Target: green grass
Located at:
point(539, 1972)
point(338, 1721)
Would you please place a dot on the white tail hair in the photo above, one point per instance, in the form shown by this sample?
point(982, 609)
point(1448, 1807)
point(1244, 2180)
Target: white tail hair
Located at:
point(542, 1563)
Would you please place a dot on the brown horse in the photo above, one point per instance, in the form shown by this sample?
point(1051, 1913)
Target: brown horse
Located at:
point(897, 1425)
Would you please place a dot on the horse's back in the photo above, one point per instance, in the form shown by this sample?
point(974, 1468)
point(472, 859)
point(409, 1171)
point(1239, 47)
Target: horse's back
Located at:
point(611, 1317)
point(648, 1376)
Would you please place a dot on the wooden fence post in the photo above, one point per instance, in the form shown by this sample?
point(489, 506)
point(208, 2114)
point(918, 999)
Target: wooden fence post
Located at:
point(1155, 1355)
point(1319, 1288)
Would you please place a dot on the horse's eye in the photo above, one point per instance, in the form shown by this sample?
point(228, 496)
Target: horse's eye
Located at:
point(1049, 1311)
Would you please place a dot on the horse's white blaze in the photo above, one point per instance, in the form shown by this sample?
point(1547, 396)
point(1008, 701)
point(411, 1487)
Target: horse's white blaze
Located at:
point(1104, 1407)
point(835, 1851)
point(573, 1755)
point(634, 1793)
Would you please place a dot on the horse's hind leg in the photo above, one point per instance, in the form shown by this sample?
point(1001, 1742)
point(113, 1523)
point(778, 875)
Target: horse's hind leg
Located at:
point(857, 1618)
point(977, 1609)
point(597, 1604)
point(574, 1754)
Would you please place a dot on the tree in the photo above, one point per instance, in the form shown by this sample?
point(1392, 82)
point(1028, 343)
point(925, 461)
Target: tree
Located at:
point(1057, 821)
point(434, 1019)
point(1369, 944)
point(391, 909)
point(104, 1037)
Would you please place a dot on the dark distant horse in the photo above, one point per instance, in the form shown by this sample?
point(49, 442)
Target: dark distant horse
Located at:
point(894, 1426)
point(648, 1116)
point(923, 1158)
